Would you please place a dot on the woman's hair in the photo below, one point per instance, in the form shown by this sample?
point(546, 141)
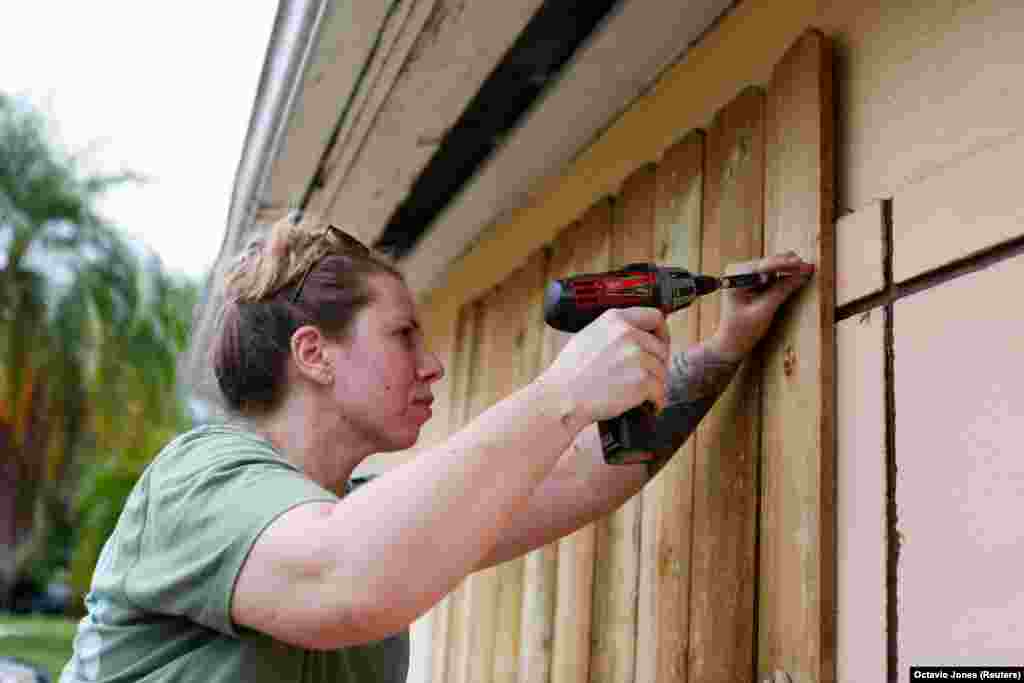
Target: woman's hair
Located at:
point(305, 273)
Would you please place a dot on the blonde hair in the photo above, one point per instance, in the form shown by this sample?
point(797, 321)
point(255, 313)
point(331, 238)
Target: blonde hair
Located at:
point(268, 263)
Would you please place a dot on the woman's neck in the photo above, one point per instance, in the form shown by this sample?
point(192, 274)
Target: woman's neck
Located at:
point(315, 442)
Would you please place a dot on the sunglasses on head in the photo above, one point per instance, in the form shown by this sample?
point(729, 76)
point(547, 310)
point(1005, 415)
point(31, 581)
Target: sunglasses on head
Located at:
point(348, 243)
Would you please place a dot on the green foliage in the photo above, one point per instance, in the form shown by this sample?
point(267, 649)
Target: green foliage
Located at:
point(91, 331)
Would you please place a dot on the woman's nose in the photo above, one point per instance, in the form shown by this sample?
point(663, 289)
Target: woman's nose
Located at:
point(432, 369)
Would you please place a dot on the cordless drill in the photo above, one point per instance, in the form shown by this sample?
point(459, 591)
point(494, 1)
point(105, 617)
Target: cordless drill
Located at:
point(572, 303)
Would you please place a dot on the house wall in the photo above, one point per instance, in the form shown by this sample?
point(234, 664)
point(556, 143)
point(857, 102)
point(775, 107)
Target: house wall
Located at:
point(928, 252)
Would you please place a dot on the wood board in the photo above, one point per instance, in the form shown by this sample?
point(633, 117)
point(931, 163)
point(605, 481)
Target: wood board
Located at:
point(617, 547)
point(796, 619)
point(517, 351)
point(584, 247)
point(664, 596)
point(537, 606)
point(725, 478)
point(503, 310)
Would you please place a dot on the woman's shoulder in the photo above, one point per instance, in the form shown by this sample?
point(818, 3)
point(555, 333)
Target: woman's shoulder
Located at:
point(216, 446)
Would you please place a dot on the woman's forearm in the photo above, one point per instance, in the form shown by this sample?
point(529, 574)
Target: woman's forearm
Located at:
point(582, 487)
point(424, 526)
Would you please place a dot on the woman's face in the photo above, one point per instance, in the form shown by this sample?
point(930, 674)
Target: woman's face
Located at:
point(384, 371)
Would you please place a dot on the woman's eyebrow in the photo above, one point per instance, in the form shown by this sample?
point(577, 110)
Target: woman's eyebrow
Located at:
point(407, 320)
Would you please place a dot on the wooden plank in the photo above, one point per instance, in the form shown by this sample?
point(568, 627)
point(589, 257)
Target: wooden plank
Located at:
point(859, 254)
point(589, 245)
point(467, 367)
point(725, 475)
point(540, 569)
point(664, 595)
point(617, 535)
point(861, 643)
point(504, 309)
point(796, 619)
point(958, 442)
point(951, 215)
point(524, 307)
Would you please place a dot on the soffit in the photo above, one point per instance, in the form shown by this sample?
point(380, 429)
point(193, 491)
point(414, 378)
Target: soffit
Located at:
point(386, 83)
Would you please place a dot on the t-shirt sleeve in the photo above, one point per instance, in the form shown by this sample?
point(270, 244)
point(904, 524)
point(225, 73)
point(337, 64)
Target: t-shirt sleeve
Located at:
point(202, 519)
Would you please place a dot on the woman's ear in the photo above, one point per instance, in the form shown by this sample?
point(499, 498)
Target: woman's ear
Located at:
point(309, 354)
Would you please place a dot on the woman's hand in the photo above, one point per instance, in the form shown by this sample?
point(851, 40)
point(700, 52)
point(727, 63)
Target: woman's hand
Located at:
point(747, 313)
point(613, 364)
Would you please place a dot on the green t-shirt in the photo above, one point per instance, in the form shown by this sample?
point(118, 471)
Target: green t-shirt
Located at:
point(159, 608)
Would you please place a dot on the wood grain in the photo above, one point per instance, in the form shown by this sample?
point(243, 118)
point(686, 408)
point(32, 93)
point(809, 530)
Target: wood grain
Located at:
point(519, 360)
point(796, 622)
point(504, 307)
point(617, 548)
point(584, 247)
point(540, 345)
point(663, 618)
point(725, 476)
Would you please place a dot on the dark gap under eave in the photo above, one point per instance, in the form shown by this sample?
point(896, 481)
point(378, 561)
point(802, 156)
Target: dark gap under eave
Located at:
point(537, 56)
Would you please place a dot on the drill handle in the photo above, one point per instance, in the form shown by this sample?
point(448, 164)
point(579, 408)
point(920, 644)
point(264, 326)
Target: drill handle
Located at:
point(629, 438)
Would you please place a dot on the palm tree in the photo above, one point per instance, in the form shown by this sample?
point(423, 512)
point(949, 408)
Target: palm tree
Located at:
point(90, 332)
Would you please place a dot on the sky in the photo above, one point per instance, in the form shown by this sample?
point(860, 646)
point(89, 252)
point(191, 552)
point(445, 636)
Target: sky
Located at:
point(164, 89)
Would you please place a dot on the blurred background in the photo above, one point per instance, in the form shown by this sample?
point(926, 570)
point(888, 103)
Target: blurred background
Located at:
point(121, 128)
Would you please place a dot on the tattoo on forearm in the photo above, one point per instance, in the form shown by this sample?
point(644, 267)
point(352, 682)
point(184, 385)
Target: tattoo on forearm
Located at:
point(696, 379)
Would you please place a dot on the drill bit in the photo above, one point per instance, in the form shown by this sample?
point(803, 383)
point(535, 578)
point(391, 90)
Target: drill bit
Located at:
point(759, 281)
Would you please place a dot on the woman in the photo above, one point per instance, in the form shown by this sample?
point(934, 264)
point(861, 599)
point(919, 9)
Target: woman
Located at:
point(242, 554)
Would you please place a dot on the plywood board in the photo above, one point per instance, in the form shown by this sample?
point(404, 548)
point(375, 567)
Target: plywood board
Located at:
point(860, 253)
point(958, 212)
point(520, 356)
point(617, 548)
point(583, 248)
point(663, 620)
point(796, 621)
point(861, 527)
point(465, 383)
point(725, 475)
point(960, 477)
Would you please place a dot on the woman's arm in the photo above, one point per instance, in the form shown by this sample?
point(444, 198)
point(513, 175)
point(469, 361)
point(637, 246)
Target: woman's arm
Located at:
point(582, 487)
point(331, 575)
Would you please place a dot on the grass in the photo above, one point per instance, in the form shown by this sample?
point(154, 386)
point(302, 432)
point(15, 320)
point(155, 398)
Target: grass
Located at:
point(43, 641)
